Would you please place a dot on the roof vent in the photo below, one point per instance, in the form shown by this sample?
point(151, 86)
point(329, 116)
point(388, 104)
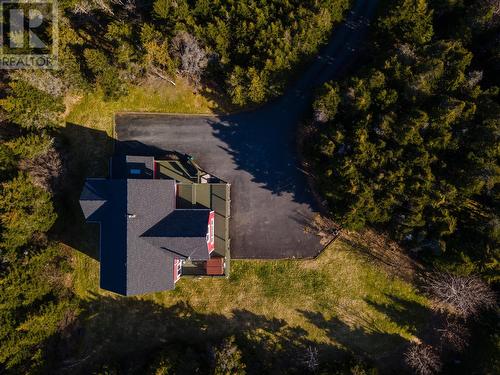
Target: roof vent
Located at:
point(130, 216)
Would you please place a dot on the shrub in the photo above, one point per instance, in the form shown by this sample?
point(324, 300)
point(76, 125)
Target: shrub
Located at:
point(30, 107)
point(423, 359)
point(467, 296)
point(25, 210)
point(46, 170)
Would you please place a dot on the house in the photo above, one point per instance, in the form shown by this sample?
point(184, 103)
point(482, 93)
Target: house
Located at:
point(151, 228)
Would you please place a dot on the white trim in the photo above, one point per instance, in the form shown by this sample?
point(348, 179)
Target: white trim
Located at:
point(192, 209)
point(177, 269)
point(212, 229)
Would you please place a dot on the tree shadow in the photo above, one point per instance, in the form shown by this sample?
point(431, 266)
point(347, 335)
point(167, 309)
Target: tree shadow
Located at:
point(415, 317)
point(379, 249)
point(89, 155)
point(363, 340)
point(91, 151)
point(129, 334)
point(263, 141)
point(133, 147)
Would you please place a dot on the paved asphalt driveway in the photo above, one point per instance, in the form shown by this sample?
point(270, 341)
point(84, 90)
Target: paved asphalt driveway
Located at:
point(256, 152)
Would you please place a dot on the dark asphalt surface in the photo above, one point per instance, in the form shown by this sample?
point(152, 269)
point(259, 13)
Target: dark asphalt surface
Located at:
point(256, 152)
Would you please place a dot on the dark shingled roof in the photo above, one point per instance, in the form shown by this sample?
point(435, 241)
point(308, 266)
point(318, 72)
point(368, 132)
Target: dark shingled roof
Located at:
point(121, 167)
point(93, 196)
point(142, 232)
point(112, 218)
point(183, 232)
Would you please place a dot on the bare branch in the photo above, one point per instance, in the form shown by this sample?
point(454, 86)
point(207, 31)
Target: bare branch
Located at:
point(454, 335)
point(466, 296)
point(423, 359)
point(46, 170)
point(87, 6)
point(310, 359)
point(193, 58)
point(43, 80)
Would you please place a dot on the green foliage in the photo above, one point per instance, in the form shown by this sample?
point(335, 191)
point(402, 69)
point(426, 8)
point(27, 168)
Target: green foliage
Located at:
point(25, 147)
point(257, 48)
point(412, 144)
point(156, 54)
point(8, 162)
point(120, 33)
point(350, 366)
point(31, 145)
point(409, 22)
point(179, 358)
point(96, 60)
point(33, 305)
point(161, 8)
point(25, 210)
point(106, 75)
point(326, 105)
point(30, 107)
point(69, 61)
point(237, 85)
point(110, 83)
point(253, 48)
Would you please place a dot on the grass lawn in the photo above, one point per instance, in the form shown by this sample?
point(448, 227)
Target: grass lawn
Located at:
point(89, 119)
point(152, 96)
point(339, 302)
point(88, 133)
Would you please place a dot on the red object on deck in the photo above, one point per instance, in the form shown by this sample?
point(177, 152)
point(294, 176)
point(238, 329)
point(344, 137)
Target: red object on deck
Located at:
point(215, 266)
point(211, 232)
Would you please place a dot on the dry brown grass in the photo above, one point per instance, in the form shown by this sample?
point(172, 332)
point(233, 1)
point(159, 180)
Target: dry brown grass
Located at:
point(338, 299)
point(383, 252)
point(350, 296)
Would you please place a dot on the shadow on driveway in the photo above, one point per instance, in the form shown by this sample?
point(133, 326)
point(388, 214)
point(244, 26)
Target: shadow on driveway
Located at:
point(269, 194)
point(256, 152)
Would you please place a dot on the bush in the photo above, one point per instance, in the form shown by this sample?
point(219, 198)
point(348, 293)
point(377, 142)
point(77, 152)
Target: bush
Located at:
point(423, 359)
point(466, 296)
point(30, 107)
point(46, 170)
point(106, 76)
point(25, 210)
point(34, 306)
point(192, 58)
point(407, 148)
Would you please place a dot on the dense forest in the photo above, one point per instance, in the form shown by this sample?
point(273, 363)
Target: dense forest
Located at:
point(408, 144)
point(245, 51)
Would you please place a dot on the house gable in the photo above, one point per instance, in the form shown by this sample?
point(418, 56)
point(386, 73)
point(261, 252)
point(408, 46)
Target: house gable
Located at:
point(142, 231)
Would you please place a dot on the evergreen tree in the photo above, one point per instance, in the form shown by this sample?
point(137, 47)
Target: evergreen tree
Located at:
point(412, 144)
point(25, 210)
point(30, 107)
